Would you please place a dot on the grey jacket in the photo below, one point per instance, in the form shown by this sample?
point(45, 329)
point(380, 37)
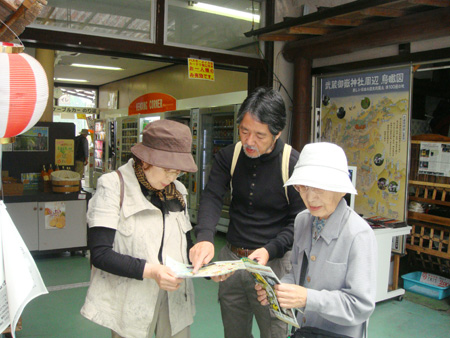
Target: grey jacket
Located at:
point(341, 273)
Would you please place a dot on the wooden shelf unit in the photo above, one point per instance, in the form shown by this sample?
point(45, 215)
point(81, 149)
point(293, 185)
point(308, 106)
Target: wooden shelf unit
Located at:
point(428, 243)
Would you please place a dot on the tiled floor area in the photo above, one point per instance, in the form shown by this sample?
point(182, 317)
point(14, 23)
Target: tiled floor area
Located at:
point(57, 314)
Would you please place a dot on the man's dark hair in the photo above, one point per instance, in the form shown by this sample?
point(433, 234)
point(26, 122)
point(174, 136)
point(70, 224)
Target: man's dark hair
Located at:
point(267, 106)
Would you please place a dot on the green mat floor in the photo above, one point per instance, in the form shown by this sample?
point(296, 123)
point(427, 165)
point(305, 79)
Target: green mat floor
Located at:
point(57, 314)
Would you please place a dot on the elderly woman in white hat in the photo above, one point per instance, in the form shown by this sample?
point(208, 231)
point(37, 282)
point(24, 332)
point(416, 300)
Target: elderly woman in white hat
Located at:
point(334, 256)
point(136, 219)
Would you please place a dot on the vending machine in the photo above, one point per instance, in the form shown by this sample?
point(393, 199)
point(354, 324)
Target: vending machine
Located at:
point(127, 136)
point(100, 149)
point(189, 117)
point(218, 129)
point(146, 119)
point(111, 156)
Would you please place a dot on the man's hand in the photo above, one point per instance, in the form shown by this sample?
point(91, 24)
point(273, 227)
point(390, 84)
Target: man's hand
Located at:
point(200, 254)
point(291, 296)
point(261, 255)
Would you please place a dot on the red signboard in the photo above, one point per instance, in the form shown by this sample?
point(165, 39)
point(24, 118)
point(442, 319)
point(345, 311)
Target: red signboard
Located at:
point(152, 103)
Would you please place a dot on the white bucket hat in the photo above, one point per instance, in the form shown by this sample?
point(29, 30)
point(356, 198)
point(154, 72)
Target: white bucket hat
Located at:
point(322, 165)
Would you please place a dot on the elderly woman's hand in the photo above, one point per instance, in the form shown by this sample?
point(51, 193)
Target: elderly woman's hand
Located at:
point(163, 275)
point(291, 296)
point(262, 294)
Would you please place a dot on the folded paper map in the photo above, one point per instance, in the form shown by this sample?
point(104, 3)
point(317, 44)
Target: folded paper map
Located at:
point(262, 275)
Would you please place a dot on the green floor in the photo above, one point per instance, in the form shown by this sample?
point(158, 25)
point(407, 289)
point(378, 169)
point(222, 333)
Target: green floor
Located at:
point(57, 314)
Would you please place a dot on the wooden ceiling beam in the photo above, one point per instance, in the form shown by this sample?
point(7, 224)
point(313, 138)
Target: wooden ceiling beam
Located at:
point(330, 13)
point(383, 12)
point(435, 3)
point(415, 27)
point(310, 30)
point(278, 37)
point(343, 22)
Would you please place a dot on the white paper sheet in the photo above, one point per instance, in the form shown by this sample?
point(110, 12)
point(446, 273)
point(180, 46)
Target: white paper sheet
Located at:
point(20, 280)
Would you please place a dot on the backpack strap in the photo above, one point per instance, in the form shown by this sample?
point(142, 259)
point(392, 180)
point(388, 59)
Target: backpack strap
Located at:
point(237, 151)
point(121, 186)
point(285, 166)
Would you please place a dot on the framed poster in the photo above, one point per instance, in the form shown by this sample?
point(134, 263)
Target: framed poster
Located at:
point(35, 139)
point(367, 114)
point(64, 152)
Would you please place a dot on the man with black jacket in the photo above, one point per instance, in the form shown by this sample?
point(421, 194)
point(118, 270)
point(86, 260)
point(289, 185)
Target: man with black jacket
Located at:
point(262, 212)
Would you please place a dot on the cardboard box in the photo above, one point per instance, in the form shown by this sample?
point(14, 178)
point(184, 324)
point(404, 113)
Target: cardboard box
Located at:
point(12, 189)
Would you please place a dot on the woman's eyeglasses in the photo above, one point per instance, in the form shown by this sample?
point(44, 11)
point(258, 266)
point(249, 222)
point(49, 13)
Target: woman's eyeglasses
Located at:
point(173, 173)
point(303, 189)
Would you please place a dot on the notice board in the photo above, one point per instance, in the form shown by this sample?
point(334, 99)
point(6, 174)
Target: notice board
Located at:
point(367, 114)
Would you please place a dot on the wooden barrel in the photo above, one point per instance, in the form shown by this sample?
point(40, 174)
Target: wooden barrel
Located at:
point(66, 186)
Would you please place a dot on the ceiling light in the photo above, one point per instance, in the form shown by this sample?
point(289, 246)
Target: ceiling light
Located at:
point(82, 65)
point(232, 13)
point(69, 80)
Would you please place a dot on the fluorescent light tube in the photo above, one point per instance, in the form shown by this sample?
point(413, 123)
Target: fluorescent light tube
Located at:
point(82, 65)
point(232, 13)
point(69, 80)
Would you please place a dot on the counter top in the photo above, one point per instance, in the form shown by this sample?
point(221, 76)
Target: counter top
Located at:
point(39, 196)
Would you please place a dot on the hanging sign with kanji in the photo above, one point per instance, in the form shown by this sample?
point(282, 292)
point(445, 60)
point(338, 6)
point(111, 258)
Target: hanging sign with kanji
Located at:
point(201, 69)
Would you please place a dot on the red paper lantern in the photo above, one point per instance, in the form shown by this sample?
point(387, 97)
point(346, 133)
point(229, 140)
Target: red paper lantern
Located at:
point(23, 90)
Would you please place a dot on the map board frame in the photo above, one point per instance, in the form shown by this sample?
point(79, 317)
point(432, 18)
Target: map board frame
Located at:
point(367, 113)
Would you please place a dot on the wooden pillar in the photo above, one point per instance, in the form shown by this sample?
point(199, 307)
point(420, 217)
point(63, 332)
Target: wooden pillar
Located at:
point(301, 112)
point(46, 58)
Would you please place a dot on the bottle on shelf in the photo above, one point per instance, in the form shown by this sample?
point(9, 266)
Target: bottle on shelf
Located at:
point(44, 174)
point(56, 167)
point(50, 169)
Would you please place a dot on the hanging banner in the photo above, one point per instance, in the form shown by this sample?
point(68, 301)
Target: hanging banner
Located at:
point(76, 110)
point(201, 69)
point(367, 114)
point(152, 103)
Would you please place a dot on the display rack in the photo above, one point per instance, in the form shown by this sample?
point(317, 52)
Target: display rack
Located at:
point(428, 244)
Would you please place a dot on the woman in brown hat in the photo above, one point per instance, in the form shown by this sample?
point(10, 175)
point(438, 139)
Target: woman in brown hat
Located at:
point(137, 218)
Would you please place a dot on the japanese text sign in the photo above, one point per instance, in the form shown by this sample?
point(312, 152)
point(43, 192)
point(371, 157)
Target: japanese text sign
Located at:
point(201, 69)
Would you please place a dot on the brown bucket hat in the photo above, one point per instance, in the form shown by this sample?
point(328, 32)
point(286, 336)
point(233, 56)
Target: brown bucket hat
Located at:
point(166, 144)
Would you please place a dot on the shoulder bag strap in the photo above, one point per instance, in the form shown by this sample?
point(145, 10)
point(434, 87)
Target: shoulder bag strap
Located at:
point(285, 166)
point(121, 187)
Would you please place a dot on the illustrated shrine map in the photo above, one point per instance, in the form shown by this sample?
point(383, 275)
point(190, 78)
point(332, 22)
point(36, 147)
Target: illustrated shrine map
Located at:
point(367, 115)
